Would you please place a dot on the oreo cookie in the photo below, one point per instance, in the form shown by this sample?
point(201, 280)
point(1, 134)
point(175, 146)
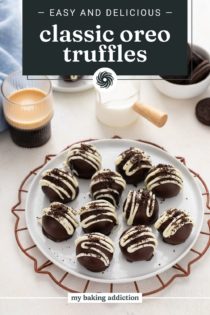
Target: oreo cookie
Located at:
point(200, 72)
point(202, 111)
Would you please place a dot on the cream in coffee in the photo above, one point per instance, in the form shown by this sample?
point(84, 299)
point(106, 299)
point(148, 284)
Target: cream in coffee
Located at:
point(28, 109)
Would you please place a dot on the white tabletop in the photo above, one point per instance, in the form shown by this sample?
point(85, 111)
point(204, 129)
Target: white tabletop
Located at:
point(75, 120)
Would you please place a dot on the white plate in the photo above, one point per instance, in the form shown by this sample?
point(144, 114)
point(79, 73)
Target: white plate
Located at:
point(81, 85)
point(120, 271)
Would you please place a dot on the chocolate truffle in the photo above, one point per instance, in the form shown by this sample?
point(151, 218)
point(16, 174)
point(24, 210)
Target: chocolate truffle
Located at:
point(138, 243)
point(107, 185)
point(164, 180)
point(94, 251)
point(140, 207)
point(98, 216)
point(83, 159)
point(175, 226)
point(71, 77)
point(58, 222)
point(59, 185)
point(133, 164)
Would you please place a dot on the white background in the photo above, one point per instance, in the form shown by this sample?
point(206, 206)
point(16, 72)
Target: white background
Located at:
point(75, 120)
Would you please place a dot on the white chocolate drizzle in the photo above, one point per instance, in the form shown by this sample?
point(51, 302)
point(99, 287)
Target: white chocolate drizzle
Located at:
point(85, 152)
point(98, 211)
point(133, 204)
point(107, 177)
point(66, 218)
point(136, 157)
point(163, 174)
point(177, 218)
point(97, 244)
point(138, 237)
point(70, 183)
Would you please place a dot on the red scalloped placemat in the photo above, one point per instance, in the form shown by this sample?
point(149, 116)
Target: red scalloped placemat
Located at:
point(71, 283)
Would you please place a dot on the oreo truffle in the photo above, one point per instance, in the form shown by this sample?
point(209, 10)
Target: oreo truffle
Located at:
point(94, 251)
point(133, 164)
point(84, 160)
point(164, 180)
point(138, 243)
point(58, 222)
point(107, 185)
point(59, 185)
point(140, 207)
point(175, 226)
point(98, 216)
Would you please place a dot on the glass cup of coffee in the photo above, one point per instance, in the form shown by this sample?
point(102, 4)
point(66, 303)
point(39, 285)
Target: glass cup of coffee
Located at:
point(28, 109)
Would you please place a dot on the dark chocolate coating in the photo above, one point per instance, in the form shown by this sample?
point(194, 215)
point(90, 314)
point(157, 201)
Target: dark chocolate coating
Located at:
point(182, 233)
point(162, 173)
point(59, 181)
point(106, 180)
point(202, 111)
point(96, 211)
point(138, 159)
point(141, 199)
point(101, 227)
point(54, 230)
point(144, 253)
point(83, 168)
point(80, 162)
point(134, 179)
point(168, 190)
point(94, 264)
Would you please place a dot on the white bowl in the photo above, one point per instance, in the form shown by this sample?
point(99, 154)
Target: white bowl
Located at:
point(179, 91)
point(182, 91)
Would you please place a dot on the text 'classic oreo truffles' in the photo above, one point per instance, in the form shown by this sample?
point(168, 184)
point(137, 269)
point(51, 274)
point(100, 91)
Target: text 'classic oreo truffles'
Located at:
point(164, 180)
point(98, 216)
point(175, 226)
point(107, 185)
point(58, 222)
point(138, 243)
point(83, 159)
point(140, 207)
point(94, 251)
point(133, 164)
point(59, 185)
